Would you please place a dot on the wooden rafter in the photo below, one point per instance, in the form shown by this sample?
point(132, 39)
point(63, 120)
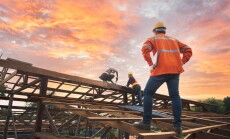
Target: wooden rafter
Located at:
point(70, 109)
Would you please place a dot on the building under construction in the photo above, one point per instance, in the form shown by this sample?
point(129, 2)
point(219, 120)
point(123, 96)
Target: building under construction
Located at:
point(61, 106)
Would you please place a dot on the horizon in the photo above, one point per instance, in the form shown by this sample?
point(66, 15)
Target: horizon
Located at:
point(83, 39)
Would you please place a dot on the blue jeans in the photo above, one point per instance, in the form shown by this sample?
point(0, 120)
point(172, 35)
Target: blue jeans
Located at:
point(136, 92)
point(154, 82)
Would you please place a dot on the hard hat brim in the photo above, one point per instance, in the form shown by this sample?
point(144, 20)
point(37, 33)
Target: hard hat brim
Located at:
point(154, 30)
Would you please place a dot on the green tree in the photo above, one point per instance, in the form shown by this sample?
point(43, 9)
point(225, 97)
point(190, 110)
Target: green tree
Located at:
point(227, 104)
point(217, 102)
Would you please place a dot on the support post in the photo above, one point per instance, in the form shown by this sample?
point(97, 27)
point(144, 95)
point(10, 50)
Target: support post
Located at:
point(188, 106)
point(43, 90)
point(125, 98)
point(15, 132)
point(78, 126)
point(165, 105)
point(9, 114)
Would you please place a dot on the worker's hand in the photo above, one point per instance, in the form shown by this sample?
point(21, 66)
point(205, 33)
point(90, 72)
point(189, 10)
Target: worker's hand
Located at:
point(182, 63)
point(152, 67)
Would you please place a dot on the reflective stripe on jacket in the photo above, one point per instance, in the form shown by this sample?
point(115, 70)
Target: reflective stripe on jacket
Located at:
point(134, 84)
point(167, 52)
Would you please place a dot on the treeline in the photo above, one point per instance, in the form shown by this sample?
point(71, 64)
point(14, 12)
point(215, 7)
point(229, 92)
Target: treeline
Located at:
point(223, 105)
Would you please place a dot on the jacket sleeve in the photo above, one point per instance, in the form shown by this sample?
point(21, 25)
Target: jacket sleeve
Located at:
point(146, 50)
point(186, 51)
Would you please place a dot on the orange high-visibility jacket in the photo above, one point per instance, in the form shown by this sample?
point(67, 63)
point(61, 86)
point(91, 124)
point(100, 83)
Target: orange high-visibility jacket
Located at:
point(167, 51)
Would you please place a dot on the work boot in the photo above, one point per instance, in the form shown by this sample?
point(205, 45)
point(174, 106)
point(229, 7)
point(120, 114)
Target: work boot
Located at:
point(142, 125)
point(178, 130)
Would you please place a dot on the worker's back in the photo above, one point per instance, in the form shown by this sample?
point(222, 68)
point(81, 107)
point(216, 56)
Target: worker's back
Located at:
point(110, 70)
point(167, 53)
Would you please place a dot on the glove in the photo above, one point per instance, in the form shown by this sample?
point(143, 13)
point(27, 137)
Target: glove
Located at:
point(152, 67)
point(182, 63)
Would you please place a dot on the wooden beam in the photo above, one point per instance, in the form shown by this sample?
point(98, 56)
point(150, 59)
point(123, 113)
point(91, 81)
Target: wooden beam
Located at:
point(116, 98)
point(190, 136)
point(59, 76)
point(106, 131)
point(115, 124)
point(43, 90)
point(27, 85)
point(56, 88)
point(221, 132)
point(130, 118)
point(191, 124)
point(16, 83)
point(125, 98)
point(24, 122)
point(97, 132)
point(53, 127)
point(51, 136)
point(3, 73)
point(16, 99)
point(163, 135)
point(66, 103)
point(95, 110)
point(76, 87)
point(67, 122)
point(18, 107)
point(204, 135)
point(35, 71)
point(77, 132)
point(67, 91)
point(13, 122)
point(9, 114)
point(8, 77)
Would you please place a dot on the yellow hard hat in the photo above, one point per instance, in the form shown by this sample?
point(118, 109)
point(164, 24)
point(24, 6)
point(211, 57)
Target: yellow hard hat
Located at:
point(159, 25)
point(130, 73)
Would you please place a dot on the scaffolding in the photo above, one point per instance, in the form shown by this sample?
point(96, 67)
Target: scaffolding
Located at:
point(72, 107)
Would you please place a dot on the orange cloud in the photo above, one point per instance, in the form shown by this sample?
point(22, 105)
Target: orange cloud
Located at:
point(85, 37)
point(72, 28)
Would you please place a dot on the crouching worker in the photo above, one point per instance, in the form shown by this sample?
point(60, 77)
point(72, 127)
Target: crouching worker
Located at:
point(136, 89)
point(109, 74)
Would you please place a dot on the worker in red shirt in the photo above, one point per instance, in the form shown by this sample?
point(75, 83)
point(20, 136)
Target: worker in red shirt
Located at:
point(166, 69)
point(136, 89)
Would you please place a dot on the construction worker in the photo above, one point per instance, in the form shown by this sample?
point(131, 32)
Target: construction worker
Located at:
point(136, 89)
point(167, 68)
point(109, 74)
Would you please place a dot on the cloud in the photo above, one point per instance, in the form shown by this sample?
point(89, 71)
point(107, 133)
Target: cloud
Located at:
point(66, 28)
point(84, 38)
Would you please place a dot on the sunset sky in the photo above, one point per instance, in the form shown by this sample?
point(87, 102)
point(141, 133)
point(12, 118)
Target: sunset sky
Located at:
point(85, 37)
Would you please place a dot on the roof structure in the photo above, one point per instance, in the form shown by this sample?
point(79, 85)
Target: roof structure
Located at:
point(71, 107)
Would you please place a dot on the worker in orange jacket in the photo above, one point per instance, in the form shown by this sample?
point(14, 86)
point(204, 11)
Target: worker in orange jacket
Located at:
point(166, 68)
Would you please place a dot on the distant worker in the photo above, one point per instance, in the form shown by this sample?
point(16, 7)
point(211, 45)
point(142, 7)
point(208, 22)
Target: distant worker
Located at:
point(109, 74)
point(136, 89)
point(167, 68)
